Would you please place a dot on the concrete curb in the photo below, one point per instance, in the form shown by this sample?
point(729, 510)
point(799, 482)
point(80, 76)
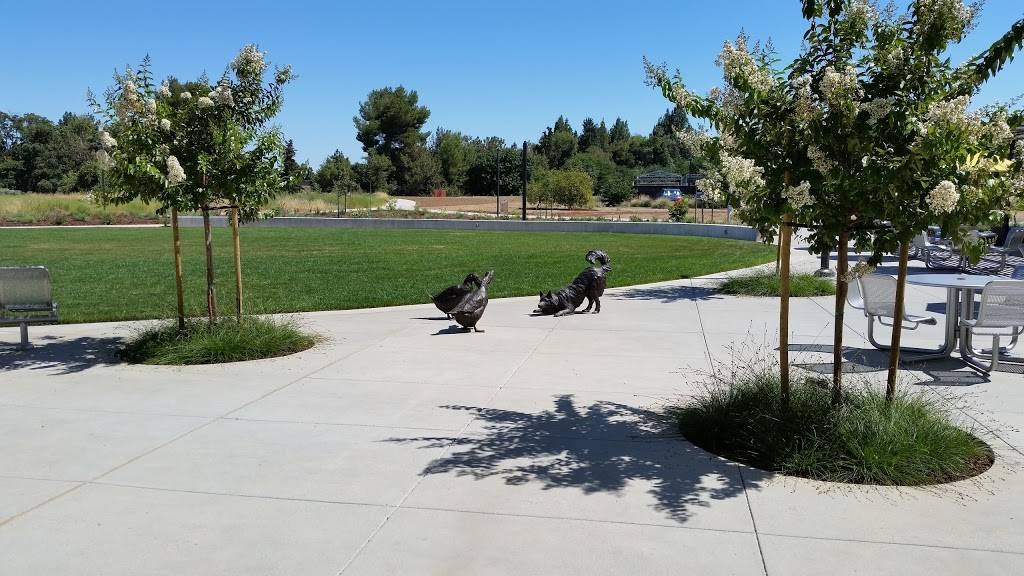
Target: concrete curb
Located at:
point(669, 229)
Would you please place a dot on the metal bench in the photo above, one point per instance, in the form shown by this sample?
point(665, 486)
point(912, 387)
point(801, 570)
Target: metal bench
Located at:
point(26, 298)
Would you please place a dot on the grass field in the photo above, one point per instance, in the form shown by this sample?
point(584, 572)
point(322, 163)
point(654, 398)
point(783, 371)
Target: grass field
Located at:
point(120, 274)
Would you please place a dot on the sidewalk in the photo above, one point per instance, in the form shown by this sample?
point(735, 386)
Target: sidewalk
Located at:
point(537, 447)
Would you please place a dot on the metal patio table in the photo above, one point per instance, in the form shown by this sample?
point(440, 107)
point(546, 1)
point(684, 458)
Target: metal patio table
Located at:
point(960, 290)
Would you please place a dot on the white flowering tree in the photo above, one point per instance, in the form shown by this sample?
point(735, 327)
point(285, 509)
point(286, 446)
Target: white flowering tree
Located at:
point(136, 158)
point(857, 132)
point(209, 146)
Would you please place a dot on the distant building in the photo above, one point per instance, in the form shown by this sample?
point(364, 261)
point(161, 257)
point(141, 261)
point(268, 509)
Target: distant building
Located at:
point(665, 184)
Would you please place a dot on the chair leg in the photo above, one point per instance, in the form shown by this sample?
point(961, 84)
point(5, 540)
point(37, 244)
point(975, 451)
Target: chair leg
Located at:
point(24, 335)
point(871, 335)
point(995, 352)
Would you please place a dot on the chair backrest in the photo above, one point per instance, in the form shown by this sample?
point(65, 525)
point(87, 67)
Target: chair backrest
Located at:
point(1014, 239)
point(1002, 304)
point(853, 296)
point(879, 294)
point(920, 240)
point(25, 286)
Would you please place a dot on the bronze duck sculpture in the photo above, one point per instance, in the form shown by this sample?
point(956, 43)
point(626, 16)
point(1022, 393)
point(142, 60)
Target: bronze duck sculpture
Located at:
point(471, 309)
point(449, 298)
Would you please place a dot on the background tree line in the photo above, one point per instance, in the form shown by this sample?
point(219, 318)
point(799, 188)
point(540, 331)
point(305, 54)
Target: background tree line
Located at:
point(39, 155)
point(402, 158)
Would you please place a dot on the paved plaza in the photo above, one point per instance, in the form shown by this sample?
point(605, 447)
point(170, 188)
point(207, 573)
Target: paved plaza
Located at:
point(401, 446)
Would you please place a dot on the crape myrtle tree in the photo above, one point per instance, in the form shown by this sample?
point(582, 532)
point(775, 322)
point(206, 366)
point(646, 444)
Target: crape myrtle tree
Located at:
point(197, 147)
point(864, 127)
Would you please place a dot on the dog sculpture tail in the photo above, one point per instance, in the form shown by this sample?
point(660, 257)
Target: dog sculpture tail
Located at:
point(597, 256)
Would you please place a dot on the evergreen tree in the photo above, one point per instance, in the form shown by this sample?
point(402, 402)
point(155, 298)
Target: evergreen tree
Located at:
point(335, 173)
point(558, 144)
point(589, 135)
point(290, 168)
point(603, 139)
point(390, 121)
point(619, 131)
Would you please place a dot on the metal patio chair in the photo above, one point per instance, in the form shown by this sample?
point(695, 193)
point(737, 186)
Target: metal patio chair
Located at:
point(26, 297)
point(1014, 246)
point(1001, 314)
point(879, 297)
point(930, 253)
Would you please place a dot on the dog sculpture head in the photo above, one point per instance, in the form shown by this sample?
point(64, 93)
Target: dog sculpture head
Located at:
point(547, 304)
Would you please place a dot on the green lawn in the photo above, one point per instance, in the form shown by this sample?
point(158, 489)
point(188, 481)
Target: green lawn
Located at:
point(121, 274)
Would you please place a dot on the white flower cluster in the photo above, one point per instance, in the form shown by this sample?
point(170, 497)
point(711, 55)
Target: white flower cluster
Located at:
point(693, 140)
point(249, 63)
point(895, 57)
point(165, 89)
point(175, 173)
point(712, 186)
point(860, 14)
point(151, 106)
point(205, 102)
point(952, 114)
point(680, 96)
point(1000, 130)
point(129, 91)
point(950, 18)
point(222, 95)
point(283, 75)
point(742, 175)
point(739, 65)
point(858, 270)
point(943, 198)
point(106, 140)
point(805, 106)
point(799, 196)
point(186, 95)
point(878, 108)
point(103, 160)
point(840, 87)
point(819, 161)
point(165, 124)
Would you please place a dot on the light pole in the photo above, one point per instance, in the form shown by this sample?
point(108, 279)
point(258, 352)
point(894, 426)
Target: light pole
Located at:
point(525, 177)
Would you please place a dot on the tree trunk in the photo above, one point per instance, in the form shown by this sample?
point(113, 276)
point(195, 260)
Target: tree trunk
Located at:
point(897, 322)
point(179, 290)
point(785, 239)
point(778, 253)
point(238, 264)
point(837, 342)
point(211, 292)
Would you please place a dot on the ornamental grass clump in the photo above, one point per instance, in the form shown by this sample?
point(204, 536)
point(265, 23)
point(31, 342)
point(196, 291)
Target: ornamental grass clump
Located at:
point(767, 284)
point(226, 341)
point(909, 441)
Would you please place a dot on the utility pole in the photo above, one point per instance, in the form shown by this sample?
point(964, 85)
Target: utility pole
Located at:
point(497, 197)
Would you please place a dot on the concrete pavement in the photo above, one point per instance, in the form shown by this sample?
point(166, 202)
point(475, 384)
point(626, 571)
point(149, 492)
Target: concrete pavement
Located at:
point(400, 446)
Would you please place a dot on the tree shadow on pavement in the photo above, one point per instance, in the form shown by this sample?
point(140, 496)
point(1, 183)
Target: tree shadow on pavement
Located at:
point(938, 372)
point(62, 355)
point(604, 447)
point(666, 294)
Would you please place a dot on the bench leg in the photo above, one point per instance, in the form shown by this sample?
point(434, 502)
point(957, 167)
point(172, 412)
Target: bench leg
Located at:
point(24, 335)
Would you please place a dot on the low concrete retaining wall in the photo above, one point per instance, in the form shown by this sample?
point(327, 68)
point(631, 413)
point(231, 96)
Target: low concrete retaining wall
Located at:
point(667, 228)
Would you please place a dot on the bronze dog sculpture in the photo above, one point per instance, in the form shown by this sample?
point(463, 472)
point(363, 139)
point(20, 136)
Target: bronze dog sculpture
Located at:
point(589, 284)
point(471, 309)
point(449, 298)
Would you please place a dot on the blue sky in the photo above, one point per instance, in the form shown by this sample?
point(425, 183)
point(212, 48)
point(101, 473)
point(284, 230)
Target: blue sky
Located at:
point(485, 68)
